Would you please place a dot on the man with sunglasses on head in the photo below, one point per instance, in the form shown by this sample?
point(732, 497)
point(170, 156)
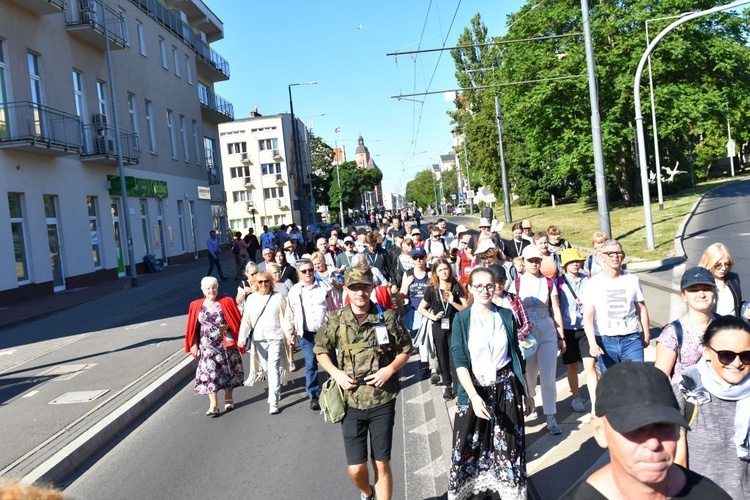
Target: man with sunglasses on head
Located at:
point(615, 317)
point(344, 259)
point(308, 302)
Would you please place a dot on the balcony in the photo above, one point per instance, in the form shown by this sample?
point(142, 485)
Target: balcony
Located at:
point(214, 107)
point(282, 204)
point(31, 127)
point(85, 20)
point(42, 7)
point(210, 64)
point(245, 159)
point(280, 180)
point(249, 206)
point(99, 145)
point(249, 183)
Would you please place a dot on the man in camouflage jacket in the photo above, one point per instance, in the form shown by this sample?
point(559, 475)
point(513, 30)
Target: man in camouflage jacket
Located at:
point(375, 348)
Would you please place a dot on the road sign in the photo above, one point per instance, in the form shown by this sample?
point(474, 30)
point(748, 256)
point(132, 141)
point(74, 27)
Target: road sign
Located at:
point(461, 196)
point(453, 196)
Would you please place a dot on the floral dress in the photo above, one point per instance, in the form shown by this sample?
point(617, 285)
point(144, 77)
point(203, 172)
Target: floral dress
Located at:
point(489, 456)
point(218, 369)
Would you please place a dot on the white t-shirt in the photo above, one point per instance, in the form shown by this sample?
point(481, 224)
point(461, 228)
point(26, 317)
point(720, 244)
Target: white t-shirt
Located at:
point(614, 303)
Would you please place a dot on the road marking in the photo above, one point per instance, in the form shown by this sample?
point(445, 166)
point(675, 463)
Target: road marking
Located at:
point(134, 327)
point(434, 469)
point(30, 394)
point(426, 428)
point(7, 353)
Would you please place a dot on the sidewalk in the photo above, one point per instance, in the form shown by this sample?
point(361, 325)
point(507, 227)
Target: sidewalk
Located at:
point(109, 352)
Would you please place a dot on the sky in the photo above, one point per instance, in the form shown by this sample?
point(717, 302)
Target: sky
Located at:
point(343, 45)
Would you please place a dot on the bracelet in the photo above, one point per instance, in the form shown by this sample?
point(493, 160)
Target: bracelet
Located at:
point(560, 339)
point(472, 396)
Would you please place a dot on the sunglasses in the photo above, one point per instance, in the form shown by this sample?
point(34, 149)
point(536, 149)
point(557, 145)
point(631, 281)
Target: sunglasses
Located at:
point(263, 282)
point(722, 265)
point(307, 271)
point(418, 257)
point(728, 357)
point(614, 254)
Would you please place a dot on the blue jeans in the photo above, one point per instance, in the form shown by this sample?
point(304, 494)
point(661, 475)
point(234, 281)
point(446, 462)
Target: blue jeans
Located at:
point(618, 349)
point(214, 262)
point(306, 342)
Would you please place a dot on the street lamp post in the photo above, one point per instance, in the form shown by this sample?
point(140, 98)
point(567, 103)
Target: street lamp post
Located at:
point(297, 156)
point(657, 159)
point(648, 222)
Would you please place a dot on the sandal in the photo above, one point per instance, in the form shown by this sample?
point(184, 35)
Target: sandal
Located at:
point(228, 405)
point(212, 411)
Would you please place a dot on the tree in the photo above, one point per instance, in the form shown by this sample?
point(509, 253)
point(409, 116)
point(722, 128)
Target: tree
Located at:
point(354, 181)
point(421, 190)
point(701, 78)
point(322, 168)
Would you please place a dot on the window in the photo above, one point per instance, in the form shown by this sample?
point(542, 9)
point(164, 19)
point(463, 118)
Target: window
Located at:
point(189, 69)
point(151, 127)
point(163, 53)
point(3, 96)
point(176, 61)
point(35, 79)
point(172, 139)
point(270, 168)
point(239, 196)
point(236, 147)
point(91, 203)
point(264, 144)
point(18, 233)
point(274, 192)
point(131, 113)
point(239, 172)
point(78, 92)
point(144, 225)
point(209, 146)
point(141, 39)
point(196, 144)
point(183, 136)
point(180, 223)
point(101, 95)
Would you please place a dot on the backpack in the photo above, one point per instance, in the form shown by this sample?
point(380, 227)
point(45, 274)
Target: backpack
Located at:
point(235, 248)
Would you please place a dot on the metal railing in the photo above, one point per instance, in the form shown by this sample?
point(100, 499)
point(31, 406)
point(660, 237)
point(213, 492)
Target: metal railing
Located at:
point(215, 102)
point(26, 121)
point(99, 140)
point(88, 13)
point(172, 22)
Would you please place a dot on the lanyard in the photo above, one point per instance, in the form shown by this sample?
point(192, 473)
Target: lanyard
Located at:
point(445, 305)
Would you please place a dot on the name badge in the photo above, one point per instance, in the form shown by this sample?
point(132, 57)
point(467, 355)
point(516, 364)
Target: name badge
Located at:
point(381, 333)
point(445, 324)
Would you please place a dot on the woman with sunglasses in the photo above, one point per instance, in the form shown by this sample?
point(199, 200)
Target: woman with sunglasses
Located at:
point(489, 449)
point(717, 259)
point(288, 271)
point(715, 395)
point(261, 329)
point(245, 288)
point(443, 298)
point(539, 296)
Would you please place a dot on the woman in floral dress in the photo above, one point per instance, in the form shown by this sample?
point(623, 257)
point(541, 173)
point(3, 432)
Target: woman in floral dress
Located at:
point(489, 448)
point(219, 369)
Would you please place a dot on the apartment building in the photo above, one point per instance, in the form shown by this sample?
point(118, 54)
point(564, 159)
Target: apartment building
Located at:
point(260, 174)
point(62, 216)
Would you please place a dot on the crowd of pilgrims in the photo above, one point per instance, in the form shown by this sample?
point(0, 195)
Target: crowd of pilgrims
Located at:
point(531, 288)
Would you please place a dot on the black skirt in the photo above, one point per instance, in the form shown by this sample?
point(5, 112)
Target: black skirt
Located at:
point(489, 456)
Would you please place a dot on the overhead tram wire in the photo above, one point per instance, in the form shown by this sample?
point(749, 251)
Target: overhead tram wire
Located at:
point(484, 87)
point(487, 44)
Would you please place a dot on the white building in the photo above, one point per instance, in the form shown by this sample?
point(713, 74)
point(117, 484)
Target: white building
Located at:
point(260, 177)
point(62, 218)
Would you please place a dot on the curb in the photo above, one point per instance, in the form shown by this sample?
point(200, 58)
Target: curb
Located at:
point(60, 456)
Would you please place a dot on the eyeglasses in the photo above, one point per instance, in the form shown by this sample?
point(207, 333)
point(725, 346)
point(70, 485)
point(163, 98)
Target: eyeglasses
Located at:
point(728, 357)
point(263, 282)
point(288, 249)
point(486, 288)
point(418, 257)
point(307, 271)
point(722, 265)
point(614, 254)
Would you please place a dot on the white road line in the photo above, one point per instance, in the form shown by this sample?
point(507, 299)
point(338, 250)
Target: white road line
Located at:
point(7, 353)
point(30, 394)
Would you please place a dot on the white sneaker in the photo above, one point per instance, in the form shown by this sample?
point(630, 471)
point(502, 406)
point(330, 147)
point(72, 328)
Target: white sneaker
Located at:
point(532, 416)
point(273, 409)
point(578, 405)
point(552, 426)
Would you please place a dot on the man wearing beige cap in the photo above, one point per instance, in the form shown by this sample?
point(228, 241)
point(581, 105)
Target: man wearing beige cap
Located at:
point(528, 230)
point(375, 348)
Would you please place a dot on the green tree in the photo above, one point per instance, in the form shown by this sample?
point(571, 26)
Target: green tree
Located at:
point(421, 189)
point(322, 169)
point(701, 77)
point(354, 181)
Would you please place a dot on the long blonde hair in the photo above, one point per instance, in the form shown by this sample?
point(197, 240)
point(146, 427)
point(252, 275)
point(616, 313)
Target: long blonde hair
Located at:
point(713, 254)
